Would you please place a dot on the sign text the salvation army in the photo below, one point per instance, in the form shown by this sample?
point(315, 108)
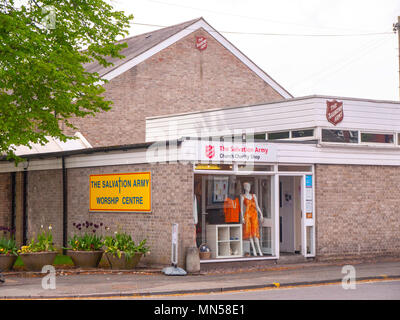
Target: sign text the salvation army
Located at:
point(121, 192)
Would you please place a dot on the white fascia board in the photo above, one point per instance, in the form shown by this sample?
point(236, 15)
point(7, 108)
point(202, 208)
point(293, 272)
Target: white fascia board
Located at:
point(217, 36)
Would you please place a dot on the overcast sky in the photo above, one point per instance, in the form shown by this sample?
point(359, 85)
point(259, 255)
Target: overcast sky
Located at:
point(361, 66)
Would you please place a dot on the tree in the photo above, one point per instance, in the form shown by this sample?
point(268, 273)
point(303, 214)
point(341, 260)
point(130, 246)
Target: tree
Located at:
point(43, 46)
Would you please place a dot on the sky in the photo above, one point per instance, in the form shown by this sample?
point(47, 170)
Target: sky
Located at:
point(343, 48)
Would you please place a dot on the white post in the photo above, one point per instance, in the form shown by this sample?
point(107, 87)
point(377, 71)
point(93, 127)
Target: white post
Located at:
point(174, 251)
point(276, 207)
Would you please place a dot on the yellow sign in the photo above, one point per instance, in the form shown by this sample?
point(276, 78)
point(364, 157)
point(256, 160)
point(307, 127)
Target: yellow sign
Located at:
point(121, 192)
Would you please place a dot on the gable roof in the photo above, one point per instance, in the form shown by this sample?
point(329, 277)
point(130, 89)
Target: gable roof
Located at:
point(138, 45)
point(143, 46)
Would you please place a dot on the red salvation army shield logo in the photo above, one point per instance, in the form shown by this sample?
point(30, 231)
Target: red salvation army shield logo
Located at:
point(201, 43)
point(334, 111)
point(210, 151)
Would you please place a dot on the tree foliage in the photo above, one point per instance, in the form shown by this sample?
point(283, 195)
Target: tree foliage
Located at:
point(43, 47)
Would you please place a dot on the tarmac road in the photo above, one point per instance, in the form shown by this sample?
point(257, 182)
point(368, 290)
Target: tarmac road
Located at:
point(106, 284)
point(370, 290)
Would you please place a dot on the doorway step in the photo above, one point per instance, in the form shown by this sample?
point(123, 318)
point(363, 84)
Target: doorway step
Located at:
point(288, 258)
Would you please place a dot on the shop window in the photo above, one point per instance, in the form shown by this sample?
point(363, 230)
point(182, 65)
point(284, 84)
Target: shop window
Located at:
point(342, 136)
point(302, 133)
point(278, 135)
point(219, 215)
point(377, 137)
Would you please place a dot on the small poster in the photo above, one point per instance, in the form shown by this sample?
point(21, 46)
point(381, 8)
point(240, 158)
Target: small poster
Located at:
point(309, 193)
point(309, 206)
point(220, 189)
point(308, 181)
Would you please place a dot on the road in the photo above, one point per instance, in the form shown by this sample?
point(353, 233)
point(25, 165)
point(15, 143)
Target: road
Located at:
point(373, 290)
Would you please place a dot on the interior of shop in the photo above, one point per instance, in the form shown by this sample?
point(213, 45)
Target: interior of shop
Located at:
point(236, 219)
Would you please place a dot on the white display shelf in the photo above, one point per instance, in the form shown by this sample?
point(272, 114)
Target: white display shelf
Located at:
point(225, 240)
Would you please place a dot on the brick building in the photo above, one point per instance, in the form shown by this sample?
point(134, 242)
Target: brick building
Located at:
point(202, 123)
point(164, 73)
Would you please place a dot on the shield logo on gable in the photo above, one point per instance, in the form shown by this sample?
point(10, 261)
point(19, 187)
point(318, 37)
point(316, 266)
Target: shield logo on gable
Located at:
point(210, 151)
point(201, 43)
point(334, 111)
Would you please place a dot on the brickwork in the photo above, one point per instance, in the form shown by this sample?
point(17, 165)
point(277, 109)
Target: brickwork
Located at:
point(5, 200)
point(45, 203)
point(172, 191)
point(178, 79)
point(357, 211)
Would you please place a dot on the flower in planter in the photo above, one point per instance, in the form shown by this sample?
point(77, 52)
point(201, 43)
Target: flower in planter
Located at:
point(42, 243)
point(122, 243)
point(8, 246)
point(86, 240)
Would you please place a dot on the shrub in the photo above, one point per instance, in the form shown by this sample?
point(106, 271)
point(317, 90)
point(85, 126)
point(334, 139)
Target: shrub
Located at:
point(123, 243)
point(42, 243)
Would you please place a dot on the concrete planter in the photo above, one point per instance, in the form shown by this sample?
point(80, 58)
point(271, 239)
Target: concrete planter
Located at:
point(7, 261)
point(121, 263)
point(35, 261)
point(85, 259)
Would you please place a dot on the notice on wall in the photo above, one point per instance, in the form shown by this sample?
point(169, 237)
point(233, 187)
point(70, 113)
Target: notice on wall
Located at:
point(309, 197)
point(121, 192)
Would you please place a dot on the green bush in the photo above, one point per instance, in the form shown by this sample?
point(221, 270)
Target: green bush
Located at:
point(8, 246)
point(42, 243)
point(123, 243)
point(85, 242)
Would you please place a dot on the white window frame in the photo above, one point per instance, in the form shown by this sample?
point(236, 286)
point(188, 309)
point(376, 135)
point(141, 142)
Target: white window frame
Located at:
point(382, 144)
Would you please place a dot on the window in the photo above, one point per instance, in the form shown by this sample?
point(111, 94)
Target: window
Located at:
point(343, 136)
point(221, 228)
point(377, 137)
point(259, 136)
point(278, 135)
point(303, 133)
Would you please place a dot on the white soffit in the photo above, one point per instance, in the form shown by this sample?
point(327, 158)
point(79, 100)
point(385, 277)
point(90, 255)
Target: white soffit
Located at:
point(217, 36)
point(54, 145)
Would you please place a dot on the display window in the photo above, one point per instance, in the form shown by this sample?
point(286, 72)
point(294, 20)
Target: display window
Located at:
point(234, 215)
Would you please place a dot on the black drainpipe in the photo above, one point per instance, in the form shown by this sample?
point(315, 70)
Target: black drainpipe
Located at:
point(25, 208)
point(65, 205)
point(13, 218)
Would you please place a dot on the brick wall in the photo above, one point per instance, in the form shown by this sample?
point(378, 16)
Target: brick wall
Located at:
point(45, 203)
point(178, 79)
point(5, 200)
point(172, 193)
point(358, 211)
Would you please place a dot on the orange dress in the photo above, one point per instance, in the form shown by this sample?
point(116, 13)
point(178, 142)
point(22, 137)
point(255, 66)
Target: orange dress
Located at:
point(251, 227)
point(231, 210)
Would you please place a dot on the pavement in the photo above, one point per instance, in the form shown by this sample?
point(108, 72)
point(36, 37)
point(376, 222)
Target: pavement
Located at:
point(103, 283)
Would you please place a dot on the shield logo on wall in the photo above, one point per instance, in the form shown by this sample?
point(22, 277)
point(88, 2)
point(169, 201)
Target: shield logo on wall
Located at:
point(210, 151)
point(334, 111)
point(201, 43)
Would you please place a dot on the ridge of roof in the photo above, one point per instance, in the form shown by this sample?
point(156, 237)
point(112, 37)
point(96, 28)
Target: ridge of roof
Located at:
point(137, 45)
point(140, 45)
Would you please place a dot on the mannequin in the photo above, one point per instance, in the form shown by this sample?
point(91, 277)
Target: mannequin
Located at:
point(250, 214)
